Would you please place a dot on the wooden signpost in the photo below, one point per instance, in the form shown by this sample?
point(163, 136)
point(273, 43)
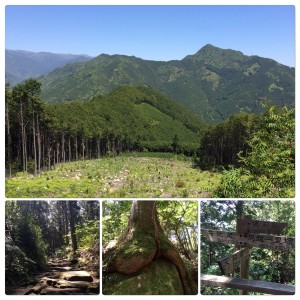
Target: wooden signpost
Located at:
point(271, 242)
point(253, 226)
point(249, 233)
point(230, 263)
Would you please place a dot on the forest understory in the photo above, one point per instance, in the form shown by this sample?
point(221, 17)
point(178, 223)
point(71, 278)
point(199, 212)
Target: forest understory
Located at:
point(52, 247)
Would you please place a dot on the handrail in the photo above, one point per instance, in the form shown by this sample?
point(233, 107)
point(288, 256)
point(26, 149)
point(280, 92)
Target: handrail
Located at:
point(265, 287)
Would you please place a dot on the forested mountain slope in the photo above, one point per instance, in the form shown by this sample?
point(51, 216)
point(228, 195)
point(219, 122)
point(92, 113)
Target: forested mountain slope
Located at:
point(214, 83)
point(127, 119)
point(134, 115)
point(20, 64)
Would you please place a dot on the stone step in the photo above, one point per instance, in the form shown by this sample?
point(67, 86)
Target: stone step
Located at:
point(36, 289)
point(77, 276)
point(57, 291)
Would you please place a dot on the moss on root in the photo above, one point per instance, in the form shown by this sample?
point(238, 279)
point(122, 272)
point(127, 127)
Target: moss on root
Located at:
point(160, 277)
point(139, 245)
point(133, 255)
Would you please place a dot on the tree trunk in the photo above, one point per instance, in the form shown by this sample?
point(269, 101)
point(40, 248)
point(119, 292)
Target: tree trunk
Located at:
point(57, 153)
point(65, 221)
point(49, 156)
point(98, 147)
point(70, 149)
point(89, 144)
point(34, 144)
point(23, 135)
point(8, 153)
point(63, 151)
point(239, 209)
point(72, 226)
point(144, 240)
point(39, 144)
point(83, 147)
point(76, 147)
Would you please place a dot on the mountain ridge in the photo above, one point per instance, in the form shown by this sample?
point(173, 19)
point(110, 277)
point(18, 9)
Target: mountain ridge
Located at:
point(214, 82)
point(23, 64)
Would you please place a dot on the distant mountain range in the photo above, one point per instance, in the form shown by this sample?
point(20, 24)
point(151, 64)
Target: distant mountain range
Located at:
point(214, 83)
point(20, 64)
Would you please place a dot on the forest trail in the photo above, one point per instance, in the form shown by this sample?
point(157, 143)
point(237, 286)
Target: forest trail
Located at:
point(61, 278)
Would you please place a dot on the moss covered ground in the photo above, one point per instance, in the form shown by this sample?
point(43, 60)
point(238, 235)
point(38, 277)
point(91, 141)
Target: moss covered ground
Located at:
point(132, 175)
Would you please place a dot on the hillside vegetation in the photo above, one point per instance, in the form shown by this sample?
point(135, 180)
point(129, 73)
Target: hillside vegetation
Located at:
point(214, 83)
point(129, 175)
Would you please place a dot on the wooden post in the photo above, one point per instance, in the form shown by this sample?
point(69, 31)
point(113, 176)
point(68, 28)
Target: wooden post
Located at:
point(245, 273)
point(245, 264)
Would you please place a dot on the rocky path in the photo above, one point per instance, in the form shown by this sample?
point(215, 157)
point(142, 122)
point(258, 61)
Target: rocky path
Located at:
point(62, 279)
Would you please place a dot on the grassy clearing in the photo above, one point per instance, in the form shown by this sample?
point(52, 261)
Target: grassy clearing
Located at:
point(140, 175)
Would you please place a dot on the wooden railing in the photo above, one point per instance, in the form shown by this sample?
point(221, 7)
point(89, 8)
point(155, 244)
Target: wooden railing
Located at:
point(265, 287)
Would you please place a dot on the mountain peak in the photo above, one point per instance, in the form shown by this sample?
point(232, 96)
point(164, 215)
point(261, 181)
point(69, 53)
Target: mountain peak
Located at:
point(208, 47)
point(216, 56)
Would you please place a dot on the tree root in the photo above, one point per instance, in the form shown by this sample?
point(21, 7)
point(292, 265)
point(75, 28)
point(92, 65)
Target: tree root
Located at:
point(138, 247)
point(133, 264)
point(187, 282)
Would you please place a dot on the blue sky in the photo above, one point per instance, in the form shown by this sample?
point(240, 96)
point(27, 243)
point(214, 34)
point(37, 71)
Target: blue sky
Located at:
point(153, 32)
